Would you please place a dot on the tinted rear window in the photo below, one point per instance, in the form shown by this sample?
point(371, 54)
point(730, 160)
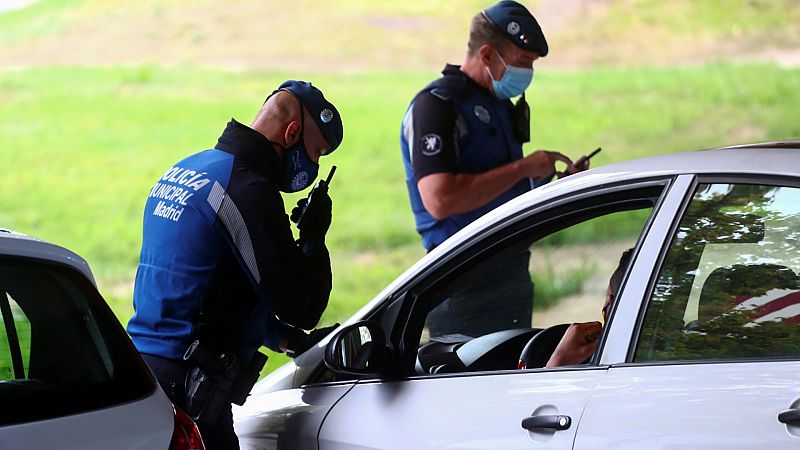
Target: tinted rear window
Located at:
point(62, 351)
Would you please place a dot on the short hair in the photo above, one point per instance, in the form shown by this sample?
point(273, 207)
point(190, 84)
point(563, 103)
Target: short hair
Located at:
point(279, 106)
point(616, 277)
point(483, 31)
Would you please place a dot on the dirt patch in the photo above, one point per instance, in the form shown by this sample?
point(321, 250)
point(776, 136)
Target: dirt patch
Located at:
point(340, 37)
point(747, 133)
point(365, 259)
point(122, 288)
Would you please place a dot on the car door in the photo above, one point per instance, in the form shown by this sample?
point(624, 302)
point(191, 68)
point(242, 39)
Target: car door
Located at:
point(713, 358)
point(278, 415)
point(459, 387)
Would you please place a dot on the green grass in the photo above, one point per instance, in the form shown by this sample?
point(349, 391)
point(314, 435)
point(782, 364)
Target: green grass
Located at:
point(22, 326)
point(550, 287)
point(82, 146)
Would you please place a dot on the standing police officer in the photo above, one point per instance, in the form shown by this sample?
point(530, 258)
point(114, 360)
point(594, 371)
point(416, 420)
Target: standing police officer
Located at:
point(220, 273)
point(462, 141)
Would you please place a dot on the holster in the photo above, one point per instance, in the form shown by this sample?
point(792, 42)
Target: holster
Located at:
point(215, 380)
point(247, 378)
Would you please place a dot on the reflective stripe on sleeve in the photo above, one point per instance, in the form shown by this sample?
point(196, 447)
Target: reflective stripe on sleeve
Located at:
point(230, 216)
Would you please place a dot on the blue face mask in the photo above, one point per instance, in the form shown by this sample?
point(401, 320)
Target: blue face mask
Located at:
point(513, 82)
point(299, 171)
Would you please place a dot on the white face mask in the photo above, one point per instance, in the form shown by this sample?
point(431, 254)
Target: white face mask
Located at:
point(513, 82)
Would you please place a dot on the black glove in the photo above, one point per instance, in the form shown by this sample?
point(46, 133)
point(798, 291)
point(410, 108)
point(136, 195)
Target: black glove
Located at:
point(317, 217)
point(297, 211)
point(299, 341)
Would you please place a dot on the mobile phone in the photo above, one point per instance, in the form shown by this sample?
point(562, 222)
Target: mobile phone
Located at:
point(580, 161)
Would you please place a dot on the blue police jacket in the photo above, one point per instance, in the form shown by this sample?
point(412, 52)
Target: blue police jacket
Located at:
point(475, 135)
point(218, 259)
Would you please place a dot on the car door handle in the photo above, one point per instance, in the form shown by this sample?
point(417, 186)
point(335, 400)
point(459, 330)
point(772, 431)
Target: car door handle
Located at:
point(552, 422)
point(789, 416)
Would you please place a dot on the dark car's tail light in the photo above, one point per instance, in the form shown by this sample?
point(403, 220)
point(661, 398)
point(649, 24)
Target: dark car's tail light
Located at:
point(186, 436)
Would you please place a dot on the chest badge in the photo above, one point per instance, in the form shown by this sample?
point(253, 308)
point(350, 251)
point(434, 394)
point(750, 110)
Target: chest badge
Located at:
point(482, 114)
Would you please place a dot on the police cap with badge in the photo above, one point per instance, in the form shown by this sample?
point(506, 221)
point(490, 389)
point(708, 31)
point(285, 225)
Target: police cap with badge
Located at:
point(299, 171)
point(324, 113)
point(520, 27)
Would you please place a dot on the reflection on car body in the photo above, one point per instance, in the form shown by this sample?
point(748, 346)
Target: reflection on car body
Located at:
point(699, 348)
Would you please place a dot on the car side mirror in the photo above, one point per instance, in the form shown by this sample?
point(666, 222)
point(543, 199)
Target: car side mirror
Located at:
point(357, 349)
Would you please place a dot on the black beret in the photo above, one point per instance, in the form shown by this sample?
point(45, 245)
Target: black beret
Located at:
point(324, 113)
point(518, 25)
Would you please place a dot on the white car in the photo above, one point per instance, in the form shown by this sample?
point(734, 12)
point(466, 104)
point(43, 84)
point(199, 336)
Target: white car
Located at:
point(69, 376)
point(700, 349)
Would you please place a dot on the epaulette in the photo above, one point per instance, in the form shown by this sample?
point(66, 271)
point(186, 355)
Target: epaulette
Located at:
point(441, 93)
point(446, 87)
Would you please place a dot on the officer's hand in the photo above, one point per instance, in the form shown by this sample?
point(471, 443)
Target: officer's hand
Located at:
point(541, 165)
point(317, 218)
point(580, 165)
point(299, 341)
point(297, 211)
point(577, 344)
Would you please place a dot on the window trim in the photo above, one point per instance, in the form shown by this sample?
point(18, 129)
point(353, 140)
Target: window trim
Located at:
point(482, 373)
point(708, 178)
point(692, 362)
point(506, 233)
point(407, 293)
point(512, 228)
point(131, 381)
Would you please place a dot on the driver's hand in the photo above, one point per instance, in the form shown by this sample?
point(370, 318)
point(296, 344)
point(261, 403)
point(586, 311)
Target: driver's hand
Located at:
point(578, 343)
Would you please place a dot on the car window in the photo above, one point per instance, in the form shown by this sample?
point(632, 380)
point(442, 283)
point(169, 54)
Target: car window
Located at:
point(61, 349)
point(729, 286)
point(551, 275)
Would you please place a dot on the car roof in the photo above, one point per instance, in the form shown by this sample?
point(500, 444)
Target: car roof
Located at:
point(780, 158)
point(763, 158)
point(21, 245)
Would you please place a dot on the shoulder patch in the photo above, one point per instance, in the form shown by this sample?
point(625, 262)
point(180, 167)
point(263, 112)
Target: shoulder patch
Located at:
point(431, 144)
point(441, 93)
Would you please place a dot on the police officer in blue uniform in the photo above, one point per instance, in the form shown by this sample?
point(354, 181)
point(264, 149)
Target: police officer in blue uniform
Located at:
point(462, 139)
point(220, 273)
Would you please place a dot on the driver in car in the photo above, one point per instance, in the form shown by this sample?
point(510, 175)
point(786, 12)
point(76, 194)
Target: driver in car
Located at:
point(580, 339)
